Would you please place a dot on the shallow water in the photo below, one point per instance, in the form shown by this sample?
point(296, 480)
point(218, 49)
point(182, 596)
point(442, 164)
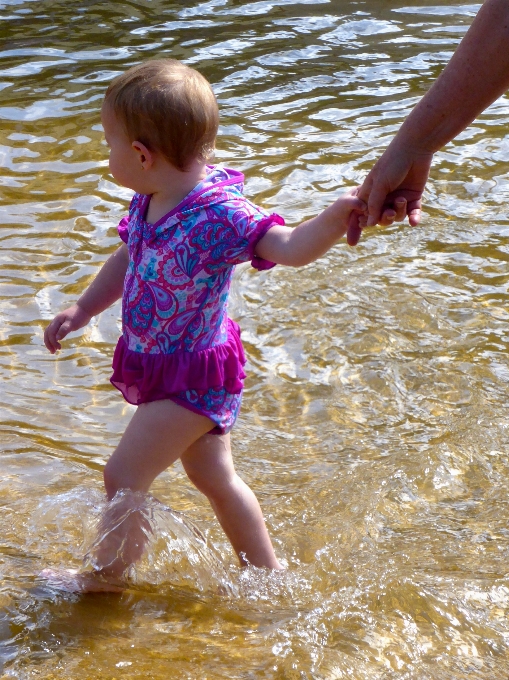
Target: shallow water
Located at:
point(373, 427)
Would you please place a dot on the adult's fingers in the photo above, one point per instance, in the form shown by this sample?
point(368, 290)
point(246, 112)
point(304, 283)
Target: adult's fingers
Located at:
point(388, 217)
point(364, 190)
point(414, 217)
point(400, 206)
point(376, 201)
point(414, 212)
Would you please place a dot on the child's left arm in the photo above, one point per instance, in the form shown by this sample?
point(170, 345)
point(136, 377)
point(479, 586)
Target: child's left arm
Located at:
point(301, 245)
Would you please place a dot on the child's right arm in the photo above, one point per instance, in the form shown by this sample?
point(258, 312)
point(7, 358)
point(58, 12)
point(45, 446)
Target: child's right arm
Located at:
point(104, 290)
point(295, 247)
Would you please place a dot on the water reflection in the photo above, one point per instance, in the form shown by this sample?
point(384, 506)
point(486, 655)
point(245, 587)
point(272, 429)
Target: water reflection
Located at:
point(374, 423)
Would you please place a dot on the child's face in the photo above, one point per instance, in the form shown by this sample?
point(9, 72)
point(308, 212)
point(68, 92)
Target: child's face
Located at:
point(124, 161)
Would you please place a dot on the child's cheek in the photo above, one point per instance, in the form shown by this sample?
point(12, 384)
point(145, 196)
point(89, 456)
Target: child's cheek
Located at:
point(115, 167)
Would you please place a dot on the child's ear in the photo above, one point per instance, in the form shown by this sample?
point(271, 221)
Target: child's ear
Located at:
point(145, 156)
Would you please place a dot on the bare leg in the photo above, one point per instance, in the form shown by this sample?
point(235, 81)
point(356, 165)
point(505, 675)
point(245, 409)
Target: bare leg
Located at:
point(158, 434)
point(209, 465)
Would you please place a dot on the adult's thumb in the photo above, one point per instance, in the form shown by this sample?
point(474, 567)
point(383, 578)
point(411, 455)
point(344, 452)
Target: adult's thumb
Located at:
point(354, 231)
point(375, 202)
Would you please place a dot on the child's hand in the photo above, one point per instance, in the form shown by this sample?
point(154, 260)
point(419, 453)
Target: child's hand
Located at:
point(312, 239)
point(70, 319)
point(349, 207)
point(358, 222)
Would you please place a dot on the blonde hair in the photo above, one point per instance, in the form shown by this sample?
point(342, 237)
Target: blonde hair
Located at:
point(169, 107)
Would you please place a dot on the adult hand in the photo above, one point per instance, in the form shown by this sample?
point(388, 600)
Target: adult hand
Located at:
point(393, 189)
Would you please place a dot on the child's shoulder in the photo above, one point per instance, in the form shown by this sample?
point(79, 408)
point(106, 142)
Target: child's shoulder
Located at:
point(225, 186)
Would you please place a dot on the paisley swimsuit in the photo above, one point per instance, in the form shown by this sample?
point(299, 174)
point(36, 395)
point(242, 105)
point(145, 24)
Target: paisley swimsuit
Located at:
point(177, 340)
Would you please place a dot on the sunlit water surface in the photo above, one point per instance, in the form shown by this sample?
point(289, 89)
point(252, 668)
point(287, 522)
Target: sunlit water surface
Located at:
point(374, 426)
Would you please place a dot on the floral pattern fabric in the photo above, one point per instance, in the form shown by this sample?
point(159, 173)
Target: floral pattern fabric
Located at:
point(219, 405)
point(178, 279)
point(177, 338)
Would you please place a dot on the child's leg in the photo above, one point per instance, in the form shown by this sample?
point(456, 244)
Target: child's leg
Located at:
point(158, 434)
point(209, 465)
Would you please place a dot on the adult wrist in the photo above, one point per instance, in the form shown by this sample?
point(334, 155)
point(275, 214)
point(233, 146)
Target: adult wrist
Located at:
point(412, 141)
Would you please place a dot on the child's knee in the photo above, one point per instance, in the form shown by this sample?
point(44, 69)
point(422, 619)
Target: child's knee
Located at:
point(199, 479)
point(214, 487)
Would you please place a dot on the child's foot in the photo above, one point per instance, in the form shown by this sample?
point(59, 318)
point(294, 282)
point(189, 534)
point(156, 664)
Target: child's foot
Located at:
point(73, 581)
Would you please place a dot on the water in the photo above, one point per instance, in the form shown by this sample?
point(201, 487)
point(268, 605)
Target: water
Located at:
point(374, 427)
point(177, 554)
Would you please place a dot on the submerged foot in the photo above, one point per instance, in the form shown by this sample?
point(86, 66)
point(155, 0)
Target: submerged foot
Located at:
point(74, 581)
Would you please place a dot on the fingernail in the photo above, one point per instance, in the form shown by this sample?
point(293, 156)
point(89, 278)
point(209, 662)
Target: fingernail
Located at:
point(371, 222)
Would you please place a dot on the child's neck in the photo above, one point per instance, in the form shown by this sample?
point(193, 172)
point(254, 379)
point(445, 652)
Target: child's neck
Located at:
point(171, 186)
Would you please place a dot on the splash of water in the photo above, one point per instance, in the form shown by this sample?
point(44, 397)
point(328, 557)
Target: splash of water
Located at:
point(176, 553)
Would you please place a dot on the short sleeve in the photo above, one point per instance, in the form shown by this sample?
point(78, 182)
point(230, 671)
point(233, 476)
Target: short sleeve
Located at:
point(122, 228)
point(256, 235)
point(134, 207)
point(231, 236)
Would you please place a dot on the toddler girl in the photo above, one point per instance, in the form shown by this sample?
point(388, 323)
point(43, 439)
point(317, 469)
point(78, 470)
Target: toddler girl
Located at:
point(180, 359)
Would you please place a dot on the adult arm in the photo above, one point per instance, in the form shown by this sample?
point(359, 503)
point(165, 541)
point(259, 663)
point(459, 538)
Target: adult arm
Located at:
point(104, 290)
point(477, 74)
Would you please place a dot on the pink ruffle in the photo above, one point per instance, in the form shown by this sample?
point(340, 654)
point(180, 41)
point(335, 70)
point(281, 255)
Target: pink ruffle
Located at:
point(257, 234)
point(149, 377)
point(122, 228)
